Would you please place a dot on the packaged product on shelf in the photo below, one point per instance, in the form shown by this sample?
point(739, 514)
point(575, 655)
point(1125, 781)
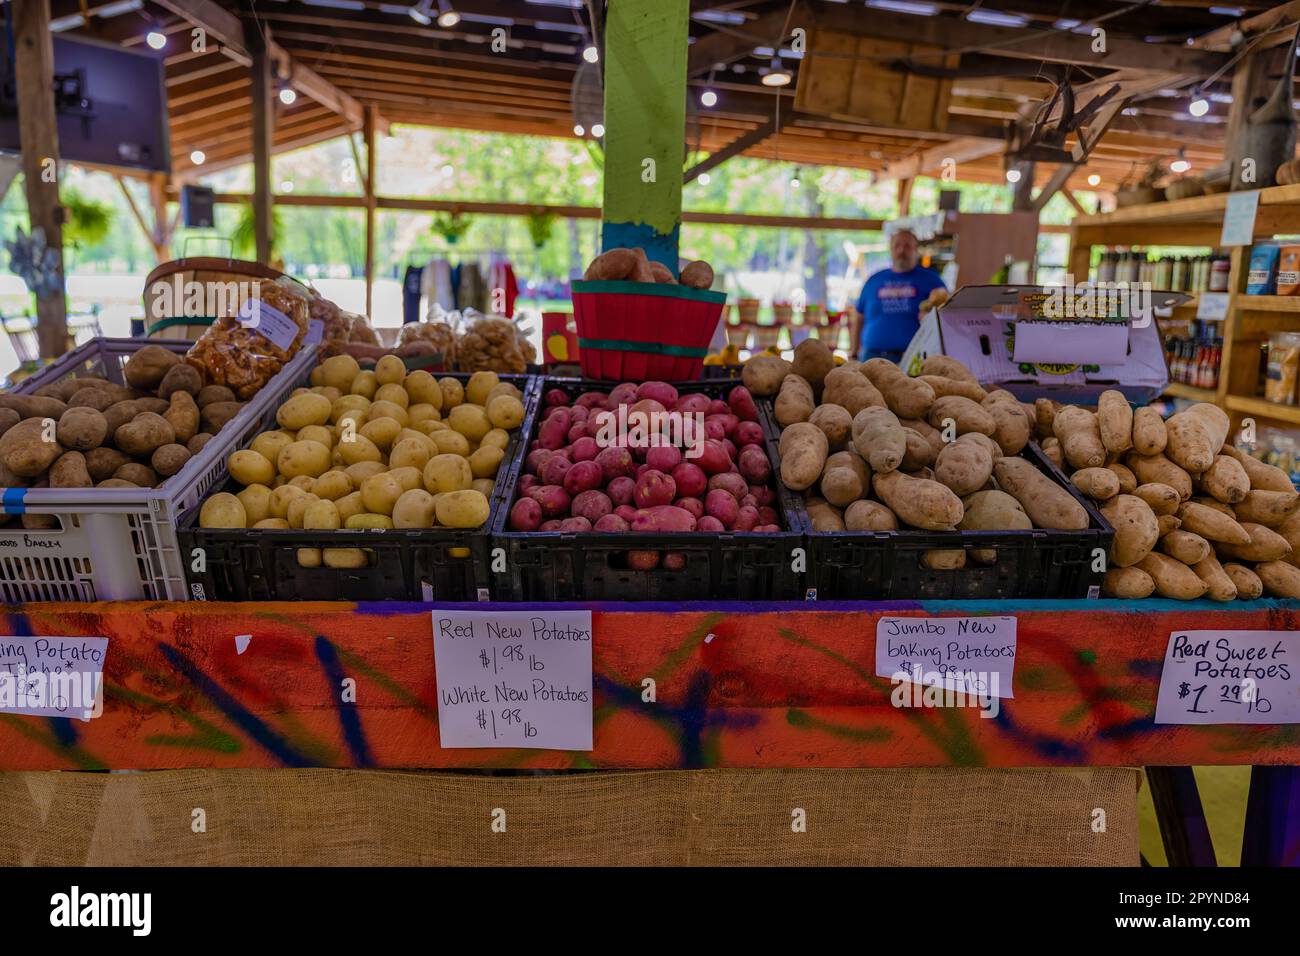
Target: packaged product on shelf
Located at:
point(243, 352)
point(1262, 277)
point(1283, 367)
point(1288, 270)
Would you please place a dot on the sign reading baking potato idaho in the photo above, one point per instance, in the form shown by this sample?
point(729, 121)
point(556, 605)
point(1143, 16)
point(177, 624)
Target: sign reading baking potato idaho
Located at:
point(514, 678)
point(1230, 677)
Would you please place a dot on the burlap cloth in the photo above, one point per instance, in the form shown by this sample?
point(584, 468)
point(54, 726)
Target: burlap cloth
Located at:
point(707, 817)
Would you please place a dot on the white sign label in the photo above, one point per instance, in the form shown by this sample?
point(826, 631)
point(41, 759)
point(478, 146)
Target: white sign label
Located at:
point(315, 332)
point(974, 654)
point(1239, 219)
point(52, 676)
point(514, 678)
point(1212, 306)
point(270, 322)
point(1230, 677)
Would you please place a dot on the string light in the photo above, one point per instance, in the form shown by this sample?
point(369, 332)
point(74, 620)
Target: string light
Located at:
point(156, 40)
point(1013, 175)
point(708, 98)
point(287, 96)
point(1199, 106)
point(1094, 180)
point(198, 157)
point(591, 54)
point(704, 179)
point(579, 130)
point(598, 130)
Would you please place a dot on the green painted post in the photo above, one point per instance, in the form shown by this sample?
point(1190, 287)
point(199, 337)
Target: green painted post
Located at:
point(645, 125)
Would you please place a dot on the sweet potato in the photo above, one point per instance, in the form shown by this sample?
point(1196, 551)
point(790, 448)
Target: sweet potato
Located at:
point(1186, 547)
point(918, 502)
point(1218, 585)
point(879, 438)
point(1173, 579)
point(932, 436)
point(1127, 583)
point(1052, 450)
point(1097, 483)
point(1047, 503)
point(1160, 498)
point(1136, 529)
point(803, 453)
point(697, 274)
point(1115, 421)
point(1167, 523)
point(1080, 437)
point(1263, 477)
point(1149, 435)
point(1159, 469)
point(1265, 545)
point(1246, 581)
point(1279, 579)
point(1127, 480)
point(1195, 436)
point(1225, 480)
point(1269, 508)
point(1211, 525)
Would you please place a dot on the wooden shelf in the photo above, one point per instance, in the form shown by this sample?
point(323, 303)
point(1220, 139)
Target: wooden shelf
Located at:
point(1264, 409)
point(1199, 209)
point(1268, 303)
point(1179, 390)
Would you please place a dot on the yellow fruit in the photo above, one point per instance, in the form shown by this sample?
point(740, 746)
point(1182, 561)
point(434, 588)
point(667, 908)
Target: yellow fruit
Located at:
point(390, 370)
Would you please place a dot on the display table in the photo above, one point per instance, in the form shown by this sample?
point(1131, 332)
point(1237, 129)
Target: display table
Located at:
point(758, 686)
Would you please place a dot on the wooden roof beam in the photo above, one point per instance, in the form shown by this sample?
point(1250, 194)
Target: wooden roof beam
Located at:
point(959, 151)
point(736, 147)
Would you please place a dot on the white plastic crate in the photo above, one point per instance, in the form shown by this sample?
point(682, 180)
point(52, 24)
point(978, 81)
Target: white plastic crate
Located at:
point(120, 543)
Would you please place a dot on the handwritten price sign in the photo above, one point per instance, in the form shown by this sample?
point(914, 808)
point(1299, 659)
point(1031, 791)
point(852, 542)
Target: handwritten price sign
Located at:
point(1230, 677)
point(514, 678)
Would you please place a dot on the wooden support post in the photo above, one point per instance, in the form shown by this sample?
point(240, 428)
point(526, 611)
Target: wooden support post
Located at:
point(162, 229)
point(369, 128)
point(39, 136)
point(645, 125)
point(1073, 200)
point(263, 92)
point(905, 195)
point(1022, 197)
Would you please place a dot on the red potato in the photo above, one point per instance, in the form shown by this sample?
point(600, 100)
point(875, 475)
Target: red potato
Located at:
point(732, 483)
point(615, 461)
point(577, 430)
point(592, 400)
point(691, 479)
point(526, 482)
point(526, 515)
point(579, 413)
point(754, 465)
point(742, 404)
point(620, 490)
point(732, 451)
point(661, 392)
point(575, 524)
point(694, 505)
point(582, 476)
point(695, 404)
point(714, 428)
point(554, 469)
point(674, 561)
point(768, 516)
point(729, 423)
point(654, 488)
point(722, 505)
point(584, 449)
point(601, 421)
point(557, 397)
point(555, 430)
point(766, 528)
point(536, 458)
point(643, 560)
point(553, 499)
point(646, 406)
point(714, 459)
point(552, 525)
point(748, 433)
point(718, 407)
point(749, 501)
point(663, 518)
point(763, 494)
point(710, 523)
point(592, 505)
point(746, 518)
point(611, 522)
point(624, 394)
point(641, 470)
point(626, 512)
point(664, 457)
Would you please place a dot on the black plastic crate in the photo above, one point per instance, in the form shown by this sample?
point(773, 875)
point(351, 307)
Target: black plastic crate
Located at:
point(592, 566)
point(406, 564)
point(886, 565)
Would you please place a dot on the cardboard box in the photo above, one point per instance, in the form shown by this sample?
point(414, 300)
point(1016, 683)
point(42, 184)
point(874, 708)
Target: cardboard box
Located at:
point(1070, 344)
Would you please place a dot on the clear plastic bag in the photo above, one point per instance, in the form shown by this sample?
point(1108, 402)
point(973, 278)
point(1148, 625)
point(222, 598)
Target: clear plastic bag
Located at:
point(245, 351)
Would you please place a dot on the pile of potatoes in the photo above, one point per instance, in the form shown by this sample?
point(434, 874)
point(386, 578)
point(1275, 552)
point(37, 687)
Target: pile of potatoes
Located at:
point(88, 432)
point(362, 449)
point(1194, 516)
point(874, 449)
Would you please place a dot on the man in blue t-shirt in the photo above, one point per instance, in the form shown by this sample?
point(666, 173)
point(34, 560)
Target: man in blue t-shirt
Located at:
point(890, 301)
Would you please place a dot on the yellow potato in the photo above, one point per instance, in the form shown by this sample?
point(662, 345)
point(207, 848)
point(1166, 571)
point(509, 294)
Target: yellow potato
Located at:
point(280, 499)
point(497, 437)
point(349, 505)
point(256, 500)
point(365, 384)
point(344, 557)
point(250, 468)
point(423, 412)
point(333, 485)
point(339, 371)
point(393, 393)
point(408, 477)
point(382, 409)
point(365, 520)
point(318, 376)
point(453, 393)
point(503, 388)
point(462, 509)
point(414, 509)
point(363, 470)
point(304, 458)
point(298, 509)
point(410, 451)
point(485, 462)
point(429, 427)
point(317, 433)
point(321, 515)
point(484, 486)
point(390, 370)
point(380, 492)
point(223, 510)
point(357, 448)
point(309, 558)
point(479, 385)
point(471, 421)
point(273, 524)
point(407, 434)
point(505, 411)
point(447, 473)
point(451, 443)
point(423, 388)
point(270, 444)
point(382, 431)
point(303, 410)
point(356, 403)
point(333, 394)
point(306, 482)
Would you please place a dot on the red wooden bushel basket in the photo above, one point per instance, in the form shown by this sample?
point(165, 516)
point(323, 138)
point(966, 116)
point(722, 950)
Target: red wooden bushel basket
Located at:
point(638, 331)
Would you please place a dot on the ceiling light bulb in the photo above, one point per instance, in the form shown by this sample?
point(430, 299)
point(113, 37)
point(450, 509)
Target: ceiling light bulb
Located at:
point(1199, 106)
point(708, 98)
point(579, 130)
point(287, 96)
point(1094, 180)
point(704, 179)
point(1180, 166)
point(598, 130)
point(591, 55)
point(198, 157)
point(777, 74)
point(156, 40)
point(447, 17)
point(1013, 175)
point(794, 182)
